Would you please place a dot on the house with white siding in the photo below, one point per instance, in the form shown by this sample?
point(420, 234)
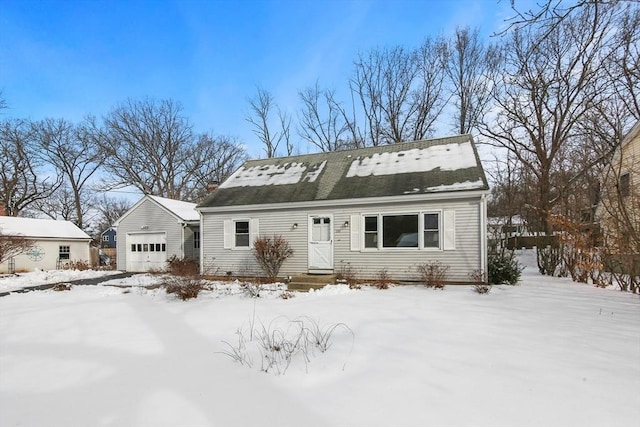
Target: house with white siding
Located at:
point(390, 208)
point(54, 244)
point(154, 230)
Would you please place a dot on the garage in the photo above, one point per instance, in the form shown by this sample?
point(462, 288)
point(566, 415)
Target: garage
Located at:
point(146, 251)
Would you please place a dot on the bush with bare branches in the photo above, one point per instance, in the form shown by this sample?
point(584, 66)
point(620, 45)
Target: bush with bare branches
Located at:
point(433, 274)
point(271, 252)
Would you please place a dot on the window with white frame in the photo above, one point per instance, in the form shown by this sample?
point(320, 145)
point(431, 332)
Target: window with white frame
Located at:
point(241, 234)
point(196, 240)
point(410, 230)
point(431, 228)
point(64, 252)
point(105, 238)
point(371, 231)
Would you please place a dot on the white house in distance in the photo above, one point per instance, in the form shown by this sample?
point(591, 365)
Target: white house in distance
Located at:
point(55, 244)
point(154, 230)
point(389, 208)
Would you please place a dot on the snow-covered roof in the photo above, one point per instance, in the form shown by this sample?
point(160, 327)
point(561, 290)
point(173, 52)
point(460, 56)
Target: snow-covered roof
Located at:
point(430, 166)
point(184, 210)
point(41, 228)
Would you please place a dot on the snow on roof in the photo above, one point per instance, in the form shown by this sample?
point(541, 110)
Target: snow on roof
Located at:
point(43, 228)
point(184, 210)
point(257, 176)
point(466, 185)
point(448, 157)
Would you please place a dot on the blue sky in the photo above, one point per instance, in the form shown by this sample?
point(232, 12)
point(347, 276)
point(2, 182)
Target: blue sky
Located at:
point(72, 58)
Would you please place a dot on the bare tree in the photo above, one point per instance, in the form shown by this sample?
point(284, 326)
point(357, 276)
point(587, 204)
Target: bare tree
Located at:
point(149, 145)
point(109, 210)
point(214, 159)
point(12, 245)
point(23, 179)
point(74, 152)
point(323, 121)
point(262, 107)
point(428, 92)
point(470, 67)
point(550, 82)
point(399, 91)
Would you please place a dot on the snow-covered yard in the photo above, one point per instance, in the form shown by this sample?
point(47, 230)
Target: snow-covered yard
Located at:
point(546, 353)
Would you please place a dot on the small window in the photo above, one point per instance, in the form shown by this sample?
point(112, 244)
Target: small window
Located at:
point(164, 247)
point(105, 238)
point(64, 252)
point(242, 234)
point(145, 247)
point(196, 240)
point(152, 247)
point(139, 247)
point(624, 184)
point(431, 230)
point(133, 247)
point(371, 231)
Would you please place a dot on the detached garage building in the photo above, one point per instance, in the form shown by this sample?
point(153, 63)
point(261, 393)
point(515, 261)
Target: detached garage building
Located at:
point(55, 244)
point(154, 230)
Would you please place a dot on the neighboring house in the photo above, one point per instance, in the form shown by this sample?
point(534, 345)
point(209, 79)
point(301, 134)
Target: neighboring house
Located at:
point(619, 209)
point(381, 208)
point(56, 244)
point(108, 238)
point(154, 230)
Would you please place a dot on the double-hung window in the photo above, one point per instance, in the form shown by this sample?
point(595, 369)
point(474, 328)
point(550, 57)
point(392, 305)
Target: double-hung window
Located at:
point(241, 234)
point(371, 231)
point(431, 228)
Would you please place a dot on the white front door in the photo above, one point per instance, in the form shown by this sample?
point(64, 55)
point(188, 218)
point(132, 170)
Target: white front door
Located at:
point(146, 251)
point(321, 242)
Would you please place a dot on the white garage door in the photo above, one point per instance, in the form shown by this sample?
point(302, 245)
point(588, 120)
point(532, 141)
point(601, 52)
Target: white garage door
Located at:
point(146, 251)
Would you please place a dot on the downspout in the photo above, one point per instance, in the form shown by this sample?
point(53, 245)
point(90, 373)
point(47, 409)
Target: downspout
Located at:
point(184, 225)
point(201, 249)
point(483, 233)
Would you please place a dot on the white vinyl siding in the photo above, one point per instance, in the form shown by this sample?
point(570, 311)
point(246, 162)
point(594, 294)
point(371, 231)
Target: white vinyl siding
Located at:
point(348, 229)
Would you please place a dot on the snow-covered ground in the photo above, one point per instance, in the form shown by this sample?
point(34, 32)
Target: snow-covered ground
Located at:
point(546, 353)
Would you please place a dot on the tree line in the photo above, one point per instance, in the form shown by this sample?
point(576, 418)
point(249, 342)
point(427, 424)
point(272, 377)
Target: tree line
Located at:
point(63, 169)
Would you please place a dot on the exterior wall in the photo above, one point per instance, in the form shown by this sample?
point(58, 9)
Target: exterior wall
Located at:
point(612, 207)
point(366, 263)
point(78, 251)
point(148, 217)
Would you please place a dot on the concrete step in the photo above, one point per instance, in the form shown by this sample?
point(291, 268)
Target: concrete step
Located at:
point(305, 282)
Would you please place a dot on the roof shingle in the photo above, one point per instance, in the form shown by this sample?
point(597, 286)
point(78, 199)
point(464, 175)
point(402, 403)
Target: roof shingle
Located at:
point(429, 166)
